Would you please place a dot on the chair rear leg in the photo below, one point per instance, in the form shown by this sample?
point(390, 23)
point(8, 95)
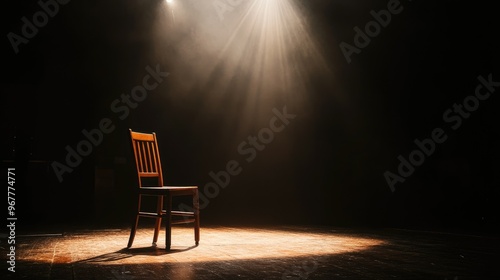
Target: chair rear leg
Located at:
point(157, 231)
point(159, 208)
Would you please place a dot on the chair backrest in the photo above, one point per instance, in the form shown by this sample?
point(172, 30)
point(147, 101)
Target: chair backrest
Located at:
point(147, 158)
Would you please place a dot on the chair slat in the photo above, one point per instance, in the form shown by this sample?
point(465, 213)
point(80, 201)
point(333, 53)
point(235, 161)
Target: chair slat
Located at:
point(144, 162)
point(149, 161)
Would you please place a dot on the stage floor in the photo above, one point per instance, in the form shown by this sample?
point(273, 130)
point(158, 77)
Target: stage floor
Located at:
point(236, 252)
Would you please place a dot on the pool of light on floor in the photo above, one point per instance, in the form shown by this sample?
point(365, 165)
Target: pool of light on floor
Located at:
point(107, 247)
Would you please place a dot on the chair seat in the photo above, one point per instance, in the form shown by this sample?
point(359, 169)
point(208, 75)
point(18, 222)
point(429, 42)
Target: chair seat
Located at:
point(174, 188)
point(168, 190)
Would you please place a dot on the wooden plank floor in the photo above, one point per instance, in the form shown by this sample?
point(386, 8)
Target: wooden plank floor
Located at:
point(254, 253)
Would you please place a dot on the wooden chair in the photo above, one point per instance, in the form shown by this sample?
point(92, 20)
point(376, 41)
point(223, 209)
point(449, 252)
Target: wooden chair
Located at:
point(148, 166)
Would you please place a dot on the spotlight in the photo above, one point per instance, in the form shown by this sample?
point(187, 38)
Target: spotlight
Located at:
point(170, 1)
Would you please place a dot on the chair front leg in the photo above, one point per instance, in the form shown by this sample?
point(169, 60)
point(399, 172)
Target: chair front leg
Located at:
point(168, 230)
point(134, 224)
point(132, 232)
point(196, 210)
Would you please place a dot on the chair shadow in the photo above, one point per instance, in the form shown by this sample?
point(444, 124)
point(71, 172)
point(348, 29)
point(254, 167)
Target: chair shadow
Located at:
point(131, 252)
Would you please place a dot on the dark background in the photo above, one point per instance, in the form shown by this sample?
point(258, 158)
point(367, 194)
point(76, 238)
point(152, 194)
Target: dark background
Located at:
point(327, 167)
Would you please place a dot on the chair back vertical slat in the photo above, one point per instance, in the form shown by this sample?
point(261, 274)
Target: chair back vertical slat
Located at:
point(138, 157)
point(152, 157)
point(144, 158)
point(150, 162)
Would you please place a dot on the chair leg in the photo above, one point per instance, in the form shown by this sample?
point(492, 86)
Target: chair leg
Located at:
point(132, 232)
point(168, 230)
point(159, 208)
point(134, 224)
point(196, 206)
point(157, 230)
